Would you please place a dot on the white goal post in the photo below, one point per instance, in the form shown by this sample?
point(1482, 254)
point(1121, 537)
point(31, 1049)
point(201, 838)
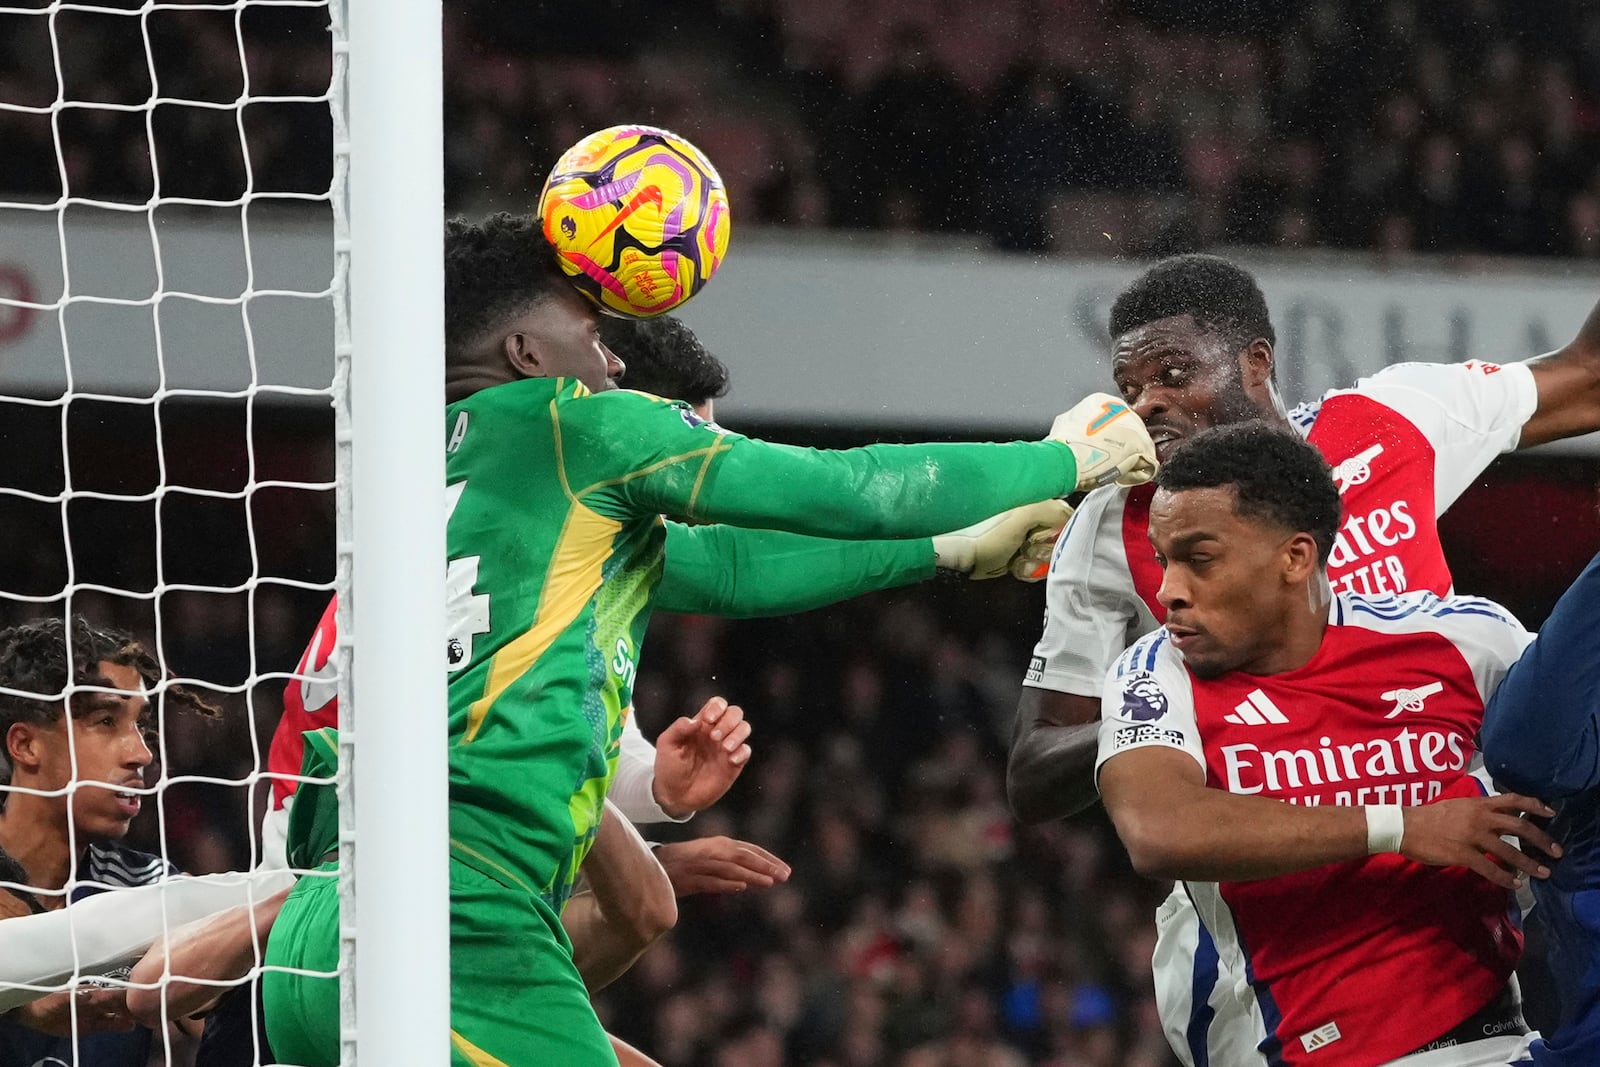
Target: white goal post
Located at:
point(131, 287)
point(394, 838)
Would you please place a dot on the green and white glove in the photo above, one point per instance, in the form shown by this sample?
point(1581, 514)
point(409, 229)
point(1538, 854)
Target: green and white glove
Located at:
point(1109, 441)
point(1016, 542)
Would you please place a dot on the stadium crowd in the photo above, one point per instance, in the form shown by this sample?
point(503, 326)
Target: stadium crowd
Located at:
point(1041, 124)
point(922, 927)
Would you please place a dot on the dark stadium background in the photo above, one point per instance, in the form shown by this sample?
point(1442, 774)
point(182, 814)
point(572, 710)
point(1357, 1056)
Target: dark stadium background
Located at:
point(922, 928)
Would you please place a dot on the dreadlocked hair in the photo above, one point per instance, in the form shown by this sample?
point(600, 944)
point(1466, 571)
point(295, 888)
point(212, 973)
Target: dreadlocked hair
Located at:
point(33, 660)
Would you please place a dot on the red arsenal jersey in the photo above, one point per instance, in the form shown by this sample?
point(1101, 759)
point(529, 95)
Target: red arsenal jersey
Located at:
point(1365, 961)
point(310, 702)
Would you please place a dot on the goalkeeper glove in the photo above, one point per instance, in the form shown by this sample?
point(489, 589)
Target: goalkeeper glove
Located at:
point(1016, 542)
point(1108, 440)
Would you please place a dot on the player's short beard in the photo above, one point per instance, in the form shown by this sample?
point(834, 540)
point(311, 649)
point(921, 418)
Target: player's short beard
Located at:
point(1208, 670)
point(1233, 403)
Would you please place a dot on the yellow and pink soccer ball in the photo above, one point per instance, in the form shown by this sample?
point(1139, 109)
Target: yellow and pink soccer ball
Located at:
point(638, 217)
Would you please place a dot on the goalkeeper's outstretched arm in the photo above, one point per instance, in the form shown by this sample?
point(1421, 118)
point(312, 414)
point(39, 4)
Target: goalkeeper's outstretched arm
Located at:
point(740, 573)
point(626, 455)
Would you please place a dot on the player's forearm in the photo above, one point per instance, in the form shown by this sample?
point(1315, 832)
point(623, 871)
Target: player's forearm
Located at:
point(1191, 832)
point(740, 573)
point(602, 951)
point(628, 905)
point(1541, 727)
point(878, 492)
point(1050, 770)
point(111, 929)
point(182, 972)
point(1568, 381)
point(632, 789)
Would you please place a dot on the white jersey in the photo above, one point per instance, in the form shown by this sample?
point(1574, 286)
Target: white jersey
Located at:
point(1404, 444)
point(1324, 960)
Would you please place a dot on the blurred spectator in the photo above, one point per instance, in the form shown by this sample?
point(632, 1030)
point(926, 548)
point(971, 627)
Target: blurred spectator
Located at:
point(1262, 123)
point(921, 927)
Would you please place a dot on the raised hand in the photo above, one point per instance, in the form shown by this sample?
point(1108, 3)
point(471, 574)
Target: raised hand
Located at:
point(699, 759)
point(1109, 441)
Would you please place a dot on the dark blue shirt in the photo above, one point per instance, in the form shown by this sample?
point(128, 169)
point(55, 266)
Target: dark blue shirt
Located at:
point(103, 867)
point(235, 1035)
point(1541, 736)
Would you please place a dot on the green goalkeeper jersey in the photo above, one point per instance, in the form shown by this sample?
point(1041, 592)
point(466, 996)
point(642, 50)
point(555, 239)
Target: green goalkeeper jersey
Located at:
point(555, 542)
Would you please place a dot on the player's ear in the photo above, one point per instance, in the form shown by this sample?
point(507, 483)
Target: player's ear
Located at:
point(522, 352)
point(23, 745)
point(1300, 562)
point(1256, 363)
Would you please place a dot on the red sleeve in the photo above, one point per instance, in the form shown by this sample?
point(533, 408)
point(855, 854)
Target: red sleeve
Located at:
point(310, 702)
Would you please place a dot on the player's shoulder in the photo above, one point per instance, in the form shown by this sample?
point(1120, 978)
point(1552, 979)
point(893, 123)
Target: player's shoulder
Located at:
point(1095, 537)
point(627, 407)
point(519, 396)
point(1148, 683)
point(1149, 655)
point(107, 863)
point(568, 399)
point(1106, 498)
point(1421, 604)
point(1440, 382)
point(1462, 619)
point(1486, 637)
point(1420, 375)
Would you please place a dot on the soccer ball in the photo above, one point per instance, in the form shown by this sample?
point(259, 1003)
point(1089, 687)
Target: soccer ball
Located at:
point(638, 217)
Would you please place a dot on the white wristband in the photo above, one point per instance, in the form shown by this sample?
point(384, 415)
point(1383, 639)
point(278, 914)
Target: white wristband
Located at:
point(1386, 827)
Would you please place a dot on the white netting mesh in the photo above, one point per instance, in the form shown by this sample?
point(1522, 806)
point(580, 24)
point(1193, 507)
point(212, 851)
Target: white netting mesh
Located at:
point(171, 265)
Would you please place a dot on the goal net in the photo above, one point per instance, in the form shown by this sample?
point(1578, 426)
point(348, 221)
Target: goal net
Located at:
point(211, 213)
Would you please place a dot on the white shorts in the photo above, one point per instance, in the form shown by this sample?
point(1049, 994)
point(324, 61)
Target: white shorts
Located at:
point(1206, 1005)
point(1202, 996)
point(1490, 1052)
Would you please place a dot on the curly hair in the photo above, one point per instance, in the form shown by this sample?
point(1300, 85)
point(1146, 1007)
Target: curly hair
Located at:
point(1222, 296)
point(33, 660)
point(664, 357)
point(494, 270)
point(1277, 475)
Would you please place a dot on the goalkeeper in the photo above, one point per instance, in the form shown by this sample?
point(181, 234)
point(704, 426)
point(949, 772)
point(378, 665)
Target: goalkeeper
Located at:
point(707, 570)
point(556, 488)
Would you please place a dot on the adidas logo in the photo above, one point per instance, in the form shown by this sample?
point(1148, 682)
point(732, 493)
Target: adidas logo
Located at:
point(1255, 710)
point(1321, 1037)
point(1357, 469)
point(1411, 699)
